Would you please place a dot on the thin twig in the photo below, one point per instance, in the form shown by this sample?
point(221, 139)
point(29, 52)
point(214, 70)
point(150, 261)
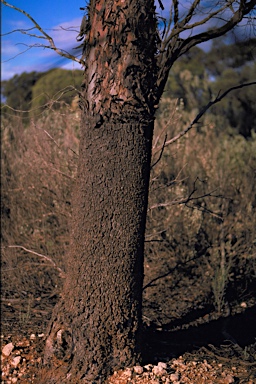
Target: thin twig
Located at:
point(62, 173)
point(45, 35)
point(62, 273)
point(161, 153)
point(204, 110)
point(179, 264)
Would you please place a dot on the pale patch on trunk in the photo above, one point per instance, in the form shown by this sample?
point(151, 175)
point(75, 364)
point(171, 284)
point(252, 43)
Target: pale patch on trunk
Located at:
point(119, 67)
point(92, 79)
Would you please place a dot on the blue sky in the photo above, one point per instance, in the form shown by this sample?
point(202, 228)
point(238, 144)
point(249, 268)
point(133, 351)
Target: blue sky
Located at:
point(53, 16)
point(61, 19)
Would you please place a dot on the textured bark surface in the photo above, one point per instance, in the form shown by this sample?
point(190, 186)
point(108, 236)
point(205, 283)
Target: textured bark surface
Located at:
point(96, 326)
point(119, 52)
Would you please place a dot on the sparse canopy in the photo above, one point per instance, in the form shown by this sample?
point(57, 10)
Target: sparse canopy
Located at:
point(194, 23)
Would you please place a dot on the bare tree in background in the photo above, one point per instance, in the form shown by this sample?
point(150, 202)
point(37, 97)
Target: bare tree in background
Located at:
point(96, 327)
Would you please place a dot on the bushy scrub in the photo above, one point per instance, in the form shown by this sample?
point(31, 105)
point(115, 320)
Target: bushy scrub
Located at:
point(200, 235)
point(38, 170)
point(201, 220)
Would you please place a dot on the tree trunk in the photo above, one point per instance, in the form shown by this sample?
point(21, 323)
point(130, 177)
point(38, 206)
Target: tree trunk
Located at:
point(95, 328)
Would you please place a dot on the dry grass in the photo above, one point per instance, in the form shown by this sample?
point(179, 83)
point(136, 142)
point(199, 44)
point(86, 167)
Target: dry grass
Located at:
point(200, 246)
point(38, 170)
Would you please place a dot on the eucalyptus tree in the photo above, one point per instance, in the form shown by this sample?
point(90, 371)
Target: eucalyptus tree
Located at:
point(128, 51)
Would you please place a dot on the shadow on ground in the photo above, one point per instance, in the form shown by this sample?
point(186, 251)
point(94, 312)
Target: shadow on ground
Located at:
point(164, 344)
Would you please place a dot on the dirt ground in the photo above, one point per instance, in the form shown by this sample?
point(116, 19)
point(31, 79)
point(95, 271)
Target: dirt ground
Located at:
point(207, 365)
point(186, 340)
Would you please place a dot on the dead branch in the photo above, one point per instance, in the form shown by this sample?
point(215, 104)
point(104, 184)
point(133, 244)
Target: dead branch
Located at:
point(201, 113)
point(45, 36)
point(62, 273)
point(178, 265)
point(161, 153)
point(186, 200)
point(190, 198)
point(172, 46)
point(53, 99)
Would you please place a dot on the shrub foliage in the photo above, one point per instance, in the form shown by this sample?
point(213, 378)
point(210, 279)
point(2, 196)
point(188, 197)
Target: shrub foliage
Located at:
point(200, 239)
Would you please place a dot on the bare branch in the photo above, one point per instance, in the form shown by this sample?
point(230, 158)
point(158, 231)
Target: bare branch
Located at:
point(238, 15)
point(45, 36)
point(24, 32)
point(62, 274)
point(61, 173)
point(161, 5)
point(184, 26)
point(203, 111)
point(190, 13)
point(172, 46)
point(179, 264)
point(176, 11)
point(53, 99)
point(28, 16)
point(18, 54)
point(170, 39)
point(161, 153)
point(187, 199)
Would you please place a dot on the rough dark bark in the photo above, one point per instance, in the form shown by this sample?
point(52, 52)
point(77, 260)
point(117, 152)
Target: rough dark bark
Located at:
point(95, 328)
point(97, 323)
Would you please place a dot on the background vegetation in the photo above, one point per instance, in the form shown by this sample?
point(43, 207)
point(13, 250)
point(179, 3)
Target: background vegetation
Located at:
point(200, 241)
point(32, 93)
